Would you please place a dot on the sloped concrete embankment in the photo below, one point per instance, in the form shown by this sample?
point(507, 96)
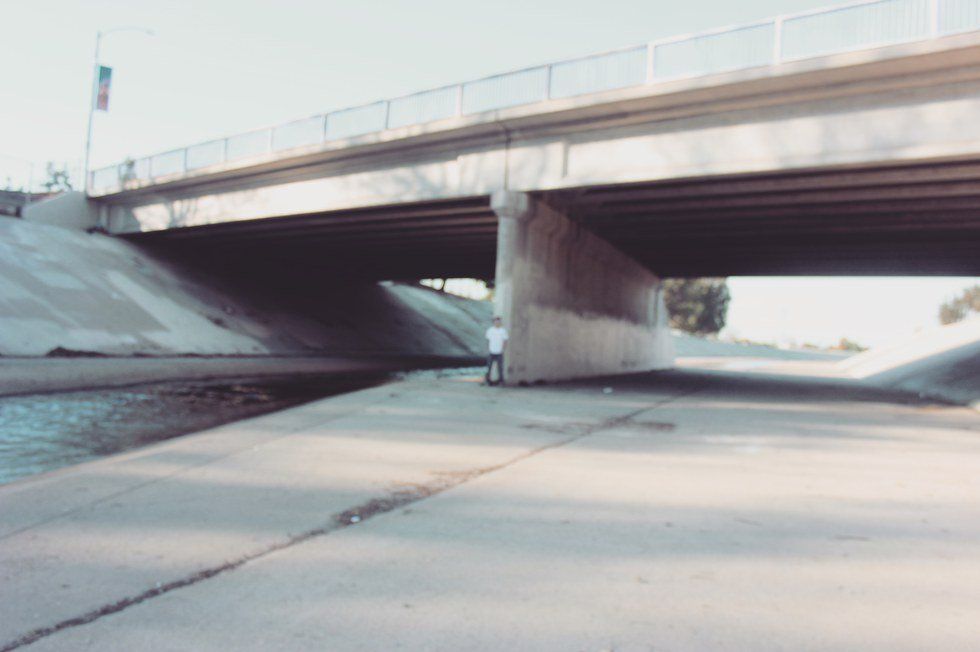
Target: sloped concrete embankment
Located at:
point(693, 346)
point(942, 362)
point(65, 291)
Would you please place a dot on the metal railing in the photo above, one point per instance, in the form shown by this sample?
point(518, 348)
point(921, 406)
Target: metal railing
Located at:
point(855, 26)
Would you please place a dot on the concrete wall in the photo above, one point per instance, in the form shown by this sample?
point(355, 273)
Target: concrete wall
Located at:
point(70, 209)
point(575, 306)
point(88, 292)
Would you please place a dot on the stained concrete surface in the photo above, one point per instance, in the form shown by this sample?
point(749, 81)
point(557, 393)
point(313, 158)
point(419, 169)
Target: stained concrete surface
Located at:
point(671, 511)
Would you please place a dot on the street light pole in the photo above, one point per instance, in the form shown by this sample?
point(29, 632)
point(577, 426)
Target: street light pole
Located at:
point(91, 110)
point(95, 89)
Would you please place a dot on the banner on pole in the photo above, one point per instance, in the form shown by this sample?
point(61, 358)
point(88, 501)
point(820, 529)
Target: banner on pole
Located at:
point(105, 81)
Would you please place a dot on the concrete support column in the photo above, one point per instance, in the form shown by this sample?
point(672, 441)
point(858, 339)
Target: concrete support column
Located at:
point(574, 304)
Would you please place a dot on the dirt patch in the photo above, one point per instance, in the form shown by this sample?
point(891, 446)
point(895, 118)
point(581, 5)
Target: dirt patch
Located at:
point(62, 352)
point(659, 426)
point(569, 428)
point(381, 505)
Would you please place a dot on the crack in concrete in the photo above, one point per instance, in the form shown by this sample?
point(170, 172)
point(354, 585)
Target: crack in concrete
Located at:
point(345, 519)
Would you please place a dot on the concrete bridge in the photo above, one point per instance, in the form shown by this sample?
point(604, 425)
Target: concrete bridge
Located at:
point(576, 186)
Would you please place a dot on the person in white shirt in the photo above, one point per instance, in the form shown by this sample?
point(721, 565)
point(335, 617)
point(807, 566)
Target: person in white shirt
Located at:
point(497, 341)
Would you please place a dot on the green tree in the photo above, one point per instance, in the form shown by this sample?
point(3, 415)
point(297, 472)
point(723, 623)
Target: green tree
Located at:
point(697, 305)
point(58, 179)
point(959, 308)
point(850, 345)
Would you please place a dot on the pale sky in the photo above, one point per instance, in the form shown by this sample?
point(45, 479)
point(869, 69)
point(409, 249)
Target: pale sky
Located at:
point(217, 67)
point(869, 310)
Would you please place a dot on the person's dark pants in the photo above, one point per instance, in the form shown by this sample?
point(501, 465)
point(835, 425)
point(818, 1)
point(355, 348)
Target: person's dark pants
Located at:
point(499, 359)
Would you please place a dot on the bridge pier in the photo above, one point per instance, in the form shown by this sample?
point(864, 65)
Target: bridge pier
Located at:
point(574, 304)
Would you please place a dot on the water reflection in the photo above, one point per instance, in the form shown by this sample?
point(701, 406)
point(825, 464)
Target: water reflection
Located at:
point(40, 433)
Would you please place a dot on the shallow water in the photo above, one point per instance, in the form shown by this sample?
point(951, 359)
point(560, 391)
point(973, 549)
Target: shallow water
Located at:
point(44, 432)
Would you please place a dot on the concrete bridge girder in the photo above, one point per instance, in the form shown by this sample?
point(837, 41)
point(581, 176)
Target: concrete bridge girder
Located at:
point(867, 162)
point(859, 163)
point(897, 104)
point(777, 139)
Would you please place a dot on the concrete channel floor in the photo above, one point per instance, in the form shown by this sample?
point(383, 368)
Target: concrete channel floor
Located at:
point(684, 510)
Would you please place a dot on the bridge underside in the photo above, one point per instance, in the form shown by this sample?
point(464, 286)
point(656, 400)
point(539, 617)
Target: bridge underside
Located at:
point(441, 239)
point(902, 220)
point(919, 219)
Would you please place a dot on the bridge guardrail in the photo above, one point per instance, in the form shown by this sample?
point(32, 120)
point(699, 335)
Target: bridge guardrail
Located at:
point(864, 24)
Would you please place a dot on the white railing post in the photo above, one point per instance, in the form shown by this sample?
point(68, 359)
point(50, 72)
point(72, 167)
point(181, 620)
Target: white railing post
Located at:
point(934, 17)
point(547, 83)
point(387, 114)
point(224, 150)
point(459, 100)
point(777, 41)
point(651, 70)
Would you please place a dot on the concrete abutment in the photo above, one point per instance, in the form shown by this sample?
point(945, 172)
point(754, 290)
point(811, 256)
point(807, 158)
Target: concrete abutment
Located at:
point(574, 304)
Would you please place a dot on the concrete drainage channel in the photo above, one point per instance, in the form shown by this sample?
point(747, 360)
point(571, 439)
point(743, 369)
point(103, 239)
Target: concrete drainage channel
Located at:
point(350, 517)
